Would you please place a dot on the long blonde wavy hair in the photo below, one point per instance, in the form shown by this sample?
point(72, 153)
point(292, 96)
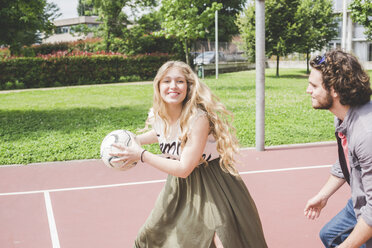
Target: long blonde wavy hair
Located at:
point(199, 96)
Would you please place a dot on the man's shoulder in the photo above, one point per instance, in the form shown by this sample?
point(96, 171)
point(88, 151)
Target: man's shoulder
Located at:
point(364, 117)
point(365, 108)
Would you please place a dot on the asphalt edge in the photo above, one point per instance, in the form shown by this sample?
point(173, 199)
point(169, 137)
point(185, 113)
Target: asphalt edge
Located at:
point(268, 148)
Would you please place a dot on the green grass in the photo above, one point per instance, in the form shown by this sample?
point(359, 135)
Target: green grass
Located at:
point(289, 117)
point(70, 123)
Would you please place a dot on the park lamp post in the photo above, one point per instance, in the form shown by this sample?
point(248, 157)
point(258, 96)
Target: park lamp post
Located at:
point(260, 75)
point(216, 40)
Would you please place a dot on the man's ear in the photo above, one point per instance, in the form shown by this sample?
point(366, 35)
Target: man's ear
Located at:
point(334, 94)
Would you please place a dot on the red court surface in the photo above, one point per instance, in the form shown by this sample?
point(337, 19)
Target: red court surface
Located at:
point(84, 204)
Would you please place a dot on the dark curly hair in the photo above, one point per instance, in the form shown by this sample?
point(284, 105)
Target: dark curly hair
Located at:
point(343, 72)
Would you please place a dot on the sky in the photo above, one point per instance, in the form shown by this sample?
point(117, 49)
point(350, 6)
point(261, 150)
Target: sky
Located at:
point(68, 8)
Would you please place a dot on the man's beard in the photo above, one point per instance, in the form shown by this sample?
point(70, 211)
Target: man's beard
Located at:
point(326, 103)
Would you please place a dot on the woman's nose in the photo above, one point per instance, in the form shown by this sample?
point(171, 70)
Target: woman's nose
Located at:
point(173, 84)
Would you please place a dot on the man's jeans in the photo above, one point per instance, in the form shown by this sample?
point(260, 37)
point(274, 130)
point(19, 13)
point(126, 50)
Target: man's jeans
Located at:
point(339, 228)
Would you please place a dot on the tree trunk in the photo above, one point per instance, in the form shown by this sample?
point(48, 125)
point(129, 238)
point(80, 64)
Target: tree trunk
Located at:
point(277, 65)
point(307, 62)
point(108, 42)
point(186, 52)
point(15, 48)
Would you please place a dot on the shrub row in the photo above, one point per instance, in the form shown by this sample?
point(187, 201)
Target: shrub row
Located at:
point(135, 45)
point(76, 70)
point(48, 48)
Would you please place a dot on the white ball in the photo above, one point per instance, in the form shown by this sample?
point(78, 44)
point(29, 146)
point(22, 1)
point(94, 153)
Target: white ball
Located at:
point(120, 137)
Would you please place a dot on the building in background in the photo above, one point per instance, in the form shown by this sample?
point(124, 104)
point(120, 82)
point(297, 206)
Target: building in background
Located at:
point(351, 35)
point(65, 33)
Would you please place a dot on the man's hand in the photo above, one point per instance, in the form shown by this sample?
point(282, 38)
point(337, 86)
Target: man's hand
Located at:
point(314, 206)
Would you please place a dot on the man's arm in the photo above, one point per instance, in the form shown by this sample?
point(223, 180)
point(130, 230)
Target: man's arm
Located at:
point(315, 205)
point(363, 229)
point(362, 233)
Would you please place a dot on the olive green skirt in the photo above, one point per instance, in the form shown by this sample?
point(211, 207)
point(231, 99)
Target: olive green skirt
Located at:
point(189, 211)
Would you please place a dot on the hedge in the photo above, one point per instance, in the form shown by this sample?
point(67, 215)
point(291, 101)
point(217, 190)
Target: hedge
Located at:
point(49, 48)
point(142, 44)
point(76, 70)
point(43, 49)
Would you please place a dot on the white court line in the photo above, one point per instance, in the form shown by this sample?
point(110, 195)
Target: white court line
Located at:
point(82, 188)
point(154, 181)
point(51, 221)
point(49, 208)
point(285, 169)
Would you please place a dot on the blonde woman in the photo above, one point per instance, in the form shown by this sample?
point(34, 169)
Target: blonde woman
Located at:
point(204, 202)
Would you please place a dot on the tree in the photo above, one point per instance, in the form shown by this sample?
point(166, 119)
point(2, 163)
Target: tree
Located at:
point(187, 20)
point(115, 21)
point(227, 16)
point(246, 24)
point(361, 12)
point(279, 24)
point(23, 21)
point(150, 22)
point(315, 26)
point(85, 9)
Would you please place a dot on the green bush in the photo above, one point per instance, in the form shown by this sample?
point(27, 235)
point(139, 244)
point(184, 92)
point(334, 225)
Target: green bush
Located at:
point(27, 52)
point(4, 52)
point(13, 85)
point(25, 70)
point(140, 44)
point(8, 86)
point(49, 48)
point(54, 71)
point(152, 43)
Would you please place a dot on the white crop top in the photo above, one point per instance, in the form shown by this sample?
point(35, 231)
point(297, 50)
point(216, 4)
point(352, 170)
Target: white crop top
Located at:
point(170, 146)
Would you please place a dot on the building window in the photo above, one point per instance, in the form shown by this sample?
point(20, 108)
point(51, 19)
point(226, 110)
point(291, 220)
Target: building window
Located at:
point(61, 30)
point(65, 29)
point(370, 52)
point(339, 27)
point(57, 30)
point(91, 25)
point(333, 45)
point(338, 5)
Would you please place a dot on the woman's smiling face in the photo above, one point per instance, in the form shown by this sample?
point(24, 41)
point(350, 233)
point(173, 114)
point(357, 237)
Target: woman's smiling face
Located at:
point(173, 87)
